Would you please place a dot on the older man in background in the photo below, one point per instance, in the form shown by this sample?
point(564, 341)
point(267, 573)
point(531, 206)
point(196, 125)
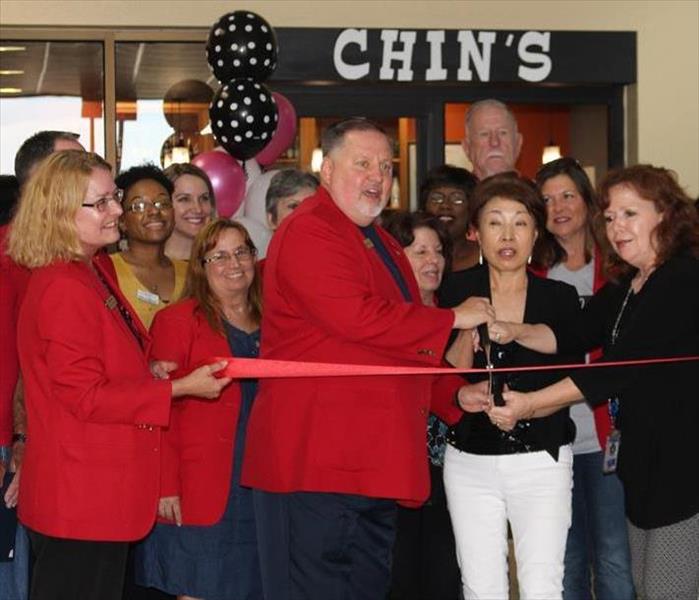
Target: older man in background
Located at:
point(492, 142)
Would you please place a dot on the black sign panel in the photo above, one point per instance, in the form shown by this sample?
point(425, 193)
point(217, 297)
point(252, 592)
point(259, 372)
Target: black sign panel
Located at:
point(456, 55)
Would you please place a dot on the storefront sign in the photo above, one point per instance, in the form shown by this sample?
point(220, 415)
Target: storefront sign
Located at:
point(464, 55)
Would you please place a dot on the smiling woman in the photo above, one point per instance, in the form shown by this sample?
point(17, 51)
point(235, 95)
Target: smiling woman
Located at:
point(147, 277)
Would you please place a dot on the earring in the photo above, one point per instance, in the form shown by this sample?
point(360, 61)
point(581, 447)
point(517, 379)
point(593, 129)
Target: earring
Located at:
point(480, 256)
point(529, 260)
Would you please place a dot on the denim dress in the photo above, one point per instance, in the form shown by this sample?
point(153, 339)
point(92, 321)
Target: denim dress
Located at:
point(217, 562)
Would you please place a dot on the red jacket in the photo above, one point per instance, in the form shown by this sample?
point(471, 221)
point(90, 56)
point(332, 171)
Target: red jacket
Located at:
point(328, 297)
point(91, 469)
point(13, 282)
point(198, 446)
point(603, 423)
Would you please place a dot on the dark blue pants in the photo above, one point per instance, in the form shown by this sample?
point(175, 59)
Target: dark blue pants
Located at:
point(339, 545)
point(597, 539)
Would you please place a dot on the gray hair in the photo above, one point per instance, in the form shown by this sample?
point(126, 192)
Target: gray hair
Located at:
point(286, 183)
point(489, 103)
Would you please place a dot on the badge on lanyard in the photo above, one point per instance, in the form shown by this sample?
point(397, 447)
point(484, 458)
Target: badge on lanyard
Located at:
point(611, 452)
point(148, 297)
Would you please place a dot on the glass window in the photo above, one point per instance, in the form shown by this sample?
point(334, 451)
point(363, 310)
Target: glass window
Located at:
point(50, 85)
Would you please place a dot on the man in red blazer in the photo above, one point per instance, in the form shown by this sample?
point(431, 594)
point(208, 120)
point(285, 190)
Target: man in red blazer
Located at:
point(328, 457)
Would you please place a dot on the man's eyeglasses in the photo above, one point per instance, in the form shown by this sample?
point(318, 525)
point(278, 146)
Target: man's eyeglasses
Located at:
point(141, 206)
point(242, 254)
point(101, 204)
point(453, 198)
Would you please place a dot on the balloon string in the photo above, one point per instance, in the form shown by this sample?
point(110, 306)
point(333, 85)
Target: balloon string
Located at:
point(257, 368)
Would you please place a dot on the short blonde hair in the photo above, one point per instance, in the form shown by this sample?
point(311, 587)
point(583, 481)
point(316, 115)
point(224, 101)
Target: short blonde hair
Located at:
point(43, 230)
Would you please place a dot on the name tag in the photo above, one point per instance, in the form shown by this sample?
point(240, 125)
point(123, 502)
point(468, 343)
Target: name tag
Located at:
point(611, 452)
point(148, 297)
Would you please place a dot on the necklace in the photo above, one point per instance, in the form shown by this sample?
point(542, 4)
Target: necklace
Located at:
point(617, 323)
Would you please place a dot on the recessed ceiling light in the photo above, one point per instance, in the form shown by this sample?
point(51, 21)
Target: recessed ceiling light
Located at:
point(11, 72)
point(12, 48)
point(9, 90)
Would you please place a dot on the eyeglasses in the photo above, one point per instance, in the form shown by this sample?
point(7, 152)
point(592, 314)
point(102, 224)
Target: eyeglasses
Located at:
point(242, 254)
point(100, 205)
point(141, 206)
point(453, 198)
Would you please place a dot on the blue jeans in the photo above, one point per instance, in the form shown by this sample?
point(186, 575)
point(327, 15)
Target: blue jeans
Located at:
point(597, 539)
point(14, 575)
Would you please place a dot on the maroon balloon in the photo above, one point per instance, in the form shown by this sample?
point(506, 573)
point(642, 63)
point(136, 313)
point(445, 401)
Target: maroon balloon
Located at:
point(283, 135)
point(227, 178)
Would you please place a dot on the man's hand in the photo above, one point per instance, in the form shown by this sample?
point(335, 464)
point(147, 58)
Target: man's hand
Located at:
point(169, 508)
point(472, 312)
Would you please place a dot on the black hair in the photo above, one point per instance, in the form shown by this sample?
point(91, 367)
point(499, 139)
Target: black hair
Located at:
point(9, 195)
point(447, 176)
point(402, 225)
point(127, 179)
point(35, 149)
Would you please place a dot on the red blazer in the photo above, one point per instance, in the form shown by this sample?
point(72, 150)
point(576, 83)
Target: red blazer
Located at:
point(197, 454)
point(13, 282)
point(328, 297)
point(603, 423)
point(91, 469)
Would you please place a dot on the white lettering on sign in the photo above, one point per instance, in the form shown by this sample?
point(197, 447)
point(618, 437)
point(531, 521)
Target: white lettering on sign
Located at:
point(542, 71)
point(346, 70)
point(404, 56)
point(475, 54)
point(471, 52)
point(436, 72)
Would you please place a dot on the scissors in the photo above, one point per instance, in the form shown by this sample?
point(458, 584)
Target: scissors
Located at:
point(495, 383)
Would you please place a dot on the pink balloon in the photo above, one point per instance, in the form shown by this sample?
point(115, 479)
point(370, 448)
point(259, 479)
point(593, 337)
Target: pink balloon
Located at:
point(283, 135)
point(227, 178)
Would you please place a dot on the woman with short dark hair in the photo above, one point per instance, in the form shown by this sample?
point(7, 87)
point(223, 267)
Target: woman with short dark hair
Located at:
point(524, 476)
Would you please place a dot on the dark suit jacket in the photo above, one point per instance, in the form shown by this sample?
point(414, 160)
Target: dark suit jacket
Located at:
point(329, 297)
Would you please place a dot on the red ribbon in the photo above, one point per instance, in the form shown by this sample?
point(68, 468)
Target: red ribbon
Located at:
point(258, 368)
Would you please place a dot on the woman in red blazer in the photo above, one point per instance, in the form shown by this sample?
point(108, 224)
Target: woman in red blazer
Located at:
point(211, 549)
point(90, 480)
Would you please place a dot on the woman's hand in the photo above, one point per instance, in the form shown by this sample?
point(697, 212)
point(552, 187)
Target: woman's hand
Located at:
point(169, 508)
point(503, 332)
point(161, 369)
point(518, 406)
point(201, 382)
point(474, 398)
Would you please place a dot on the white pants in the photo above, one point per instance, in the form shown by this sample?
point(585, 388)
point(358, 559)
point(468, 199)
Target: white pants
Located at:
point(533, 492)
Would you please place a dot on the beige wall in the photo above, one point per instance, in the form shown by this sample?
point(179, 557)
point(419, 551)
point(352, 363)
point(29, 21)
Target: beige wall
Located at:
point(664, 119)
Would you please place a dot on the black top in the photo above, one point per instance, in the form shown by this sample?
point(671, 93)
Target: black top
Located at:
point(548, 301)
point(659, 404)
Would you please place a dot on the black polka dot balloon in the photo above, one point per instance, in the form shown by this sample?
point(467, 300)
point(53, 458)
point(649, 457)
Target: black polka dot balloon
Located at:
point(243, 117)
point(242, 45)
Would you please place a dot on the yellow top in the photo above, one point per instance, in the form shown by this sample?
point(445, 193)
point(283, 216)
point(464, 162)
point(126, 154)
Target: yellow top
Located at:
point(145, 302)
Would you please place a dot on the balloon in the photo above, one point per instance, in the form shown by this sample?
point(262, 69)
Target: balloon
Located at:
point(243, 117)
point(283, 135)
point(258, 232)
point(227, 178)
point(242, 45)
point(254, 203)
